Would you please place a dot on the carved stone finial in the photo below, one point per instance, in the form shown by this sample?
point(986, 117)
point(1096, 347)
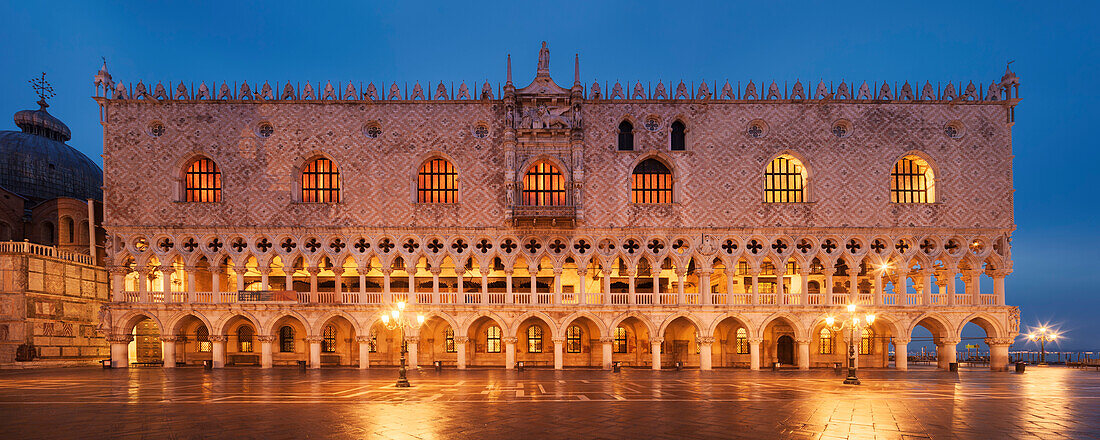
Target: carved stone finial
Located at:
point(224, 92)
point(864, 91)
point(441, 92)
point(463, 92)
point(307, 92)
point(418, 92)
point(509, 80)
point(682, 91)
point(486, 91)
point(773, 92)
point(159, 92)
point(994, 92)
point(843, 92)
point(120, 92)
point(204, 92)
point(371, 93)
point(798, 92)
point(140, 91)
point(704, 91)
point(727, 91)
point(639, 91)
point(288, 92)
point(971, 92)
point(246, 92)
point(181, 91)
point(822, 91)
point(266, 92)
point(577, 70)
point(595, 91)
point(349, 92)
point(750, 91)
point(659, 92)
point(330, 91)
point(884, 92)
point(949, 93)
point(928, 93)
point(395, 92)
point(906, 93)
point(617, 91)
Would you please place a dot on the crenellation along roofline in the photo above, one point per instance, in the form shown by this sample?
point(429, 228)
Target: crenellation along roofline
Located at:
point(1007, 102)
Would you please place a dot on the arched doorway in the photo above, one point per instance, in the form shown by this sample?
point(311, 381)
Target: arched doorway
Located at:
point(146, 344)
point(784, 350)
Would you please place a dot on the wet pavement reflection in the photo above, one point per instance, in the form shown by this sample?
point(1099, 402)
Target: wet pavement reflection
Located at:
point(189, 403)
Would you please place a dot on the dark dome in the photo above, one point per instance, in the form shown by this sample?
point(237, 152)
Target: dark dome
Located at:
point(38, 165)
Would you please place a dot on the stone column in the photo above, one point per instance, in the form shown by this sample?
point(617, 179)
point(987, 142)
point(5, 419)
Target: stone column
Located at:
point(338, 284)
point(803, 354)
point(704, 287)
point(118, 277)
point(853, 284)
point(557, 286)
point(314, 351)
point(999, 286)
point(605, 352)
point(901, 354)
point(946, 351)
point(780, 289)
point(508, 297)
point(705, 345)
point(267, 357)
point(534, 286)
point(559, 358)
point(755, 273)
point(754, 353)
point(582, 290)
point(827, 289)
point(412, 343)
point(265, 284)
point(166, 282)
point(998, 353)
point(120, 349)
point(435, 285)
point(949, 280)
point(215, 284)
point(655, 350)
point(680, 275)
point(190, 270)
point(217, 351)
point(926, 286)
point(460, 286)
point(460, 347)
point(509, 352)
point(731, 275)
point(362, 284)
point(238, 275)
point(484, 287)
point(143, 285)
point(631, 297)
point(410, 268)
point(657, 286)
point(288, 278)
point(974, 286)
point(605, 296)
point(314, 298)
point(387, 296)
point(168, 350)
point(878, 290)
point(364, 351)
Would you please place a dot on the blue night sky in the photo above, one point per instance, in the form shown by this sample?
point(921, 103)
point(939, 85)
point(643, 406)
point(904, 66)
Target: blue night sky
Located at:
point(1055, 46)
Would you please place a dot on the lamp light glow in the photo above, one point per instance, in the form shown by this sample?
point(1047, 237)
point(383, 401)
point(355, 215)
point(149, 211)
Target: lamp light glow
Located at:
point(851, 308)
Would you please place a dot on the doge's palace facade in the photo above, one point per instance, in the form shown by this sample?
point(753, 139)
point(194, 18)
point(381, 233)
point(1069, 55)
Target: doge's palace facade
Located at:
point(707, 224)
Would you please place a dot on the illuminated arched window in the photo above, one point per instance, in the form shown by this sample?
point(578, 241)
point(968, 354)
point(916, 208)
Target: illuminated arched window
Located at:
point(437, 182)
point(320, 182)
point(742, 341)
point(785, 180)
point(626, 136)
point(286, 339)
point(573, 339)
point(543, 185)
point(651, 182)
point(492, 339)
point(620, 340)
point(678, 141)
point(244, 339)
point(912, 181)
point(328, 341)
point(202, 336)
point(449, 338)
point(373, 344)
point(534, 339)
point(202, 181)
point(866, 340)
point(826, 341)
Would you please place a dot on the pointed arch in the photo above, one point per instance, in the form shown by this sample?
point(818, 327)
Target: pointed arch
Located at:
point(513, 327)
point(987, 322)
point(544, 184)
point(625, 133)
point(652, 181)
point(319, 180)
point(601, 326)
point(437, 180)
point(786, 180)
point(799, 329)
point(699, 326)
point(175, 321)
point(201, 180)
point(222, 325)
point(913, 179)
point(636, 315)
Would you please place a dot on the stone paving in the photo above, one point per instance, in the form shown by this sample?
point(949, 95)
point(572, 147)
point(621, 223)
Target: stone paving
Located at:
point(191, 403)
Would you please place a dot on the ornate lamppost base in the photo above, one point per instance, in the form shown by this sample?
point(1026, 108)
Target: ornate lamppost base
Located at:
point(402, 374)
point(851, 381)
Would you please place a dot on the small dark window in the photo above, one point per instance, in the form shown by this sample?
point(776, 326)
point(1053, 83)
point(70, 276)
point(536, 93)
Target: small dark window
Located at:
point(573, 339)
point(620, 340)
point(678, 136)
point(492, 339)
point(202, 336)
point(244, 339)
point(534, 339)
point(450, 341)
point(626, 136)
point(286, 339)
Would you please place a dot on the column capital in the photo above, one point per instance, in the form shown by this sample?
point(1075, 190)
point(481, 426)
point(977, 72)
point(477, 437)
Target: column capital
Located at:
point(999, 273)
point(705, 272)
point(654, 341)
point(311, 339)
point(219, 338)
point(681, 272)
point(166, 268)
point(509, 339)
point(582, 271)
point(118, 270)
point(901, 340)
point(362, 339)
point(191, 268)
point(436, 270)
point(266, 338)
point(999, 341)
point(412, 339)
point(557, 340)
point(949, 341)
point(558, 271)
point(313, 270)
point(168, 339)
point(115, 338)
point(706, 339)
point(462, 340)
point(607, 340)
point(338, 271)
point(509, 271)
point(631, 272)
point(756, 340)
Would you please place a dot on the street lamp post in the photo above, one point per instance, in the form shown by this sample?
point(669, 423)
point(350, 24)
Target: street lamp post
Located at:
point(1043, 335)
point(853, 323)
point(394, 320)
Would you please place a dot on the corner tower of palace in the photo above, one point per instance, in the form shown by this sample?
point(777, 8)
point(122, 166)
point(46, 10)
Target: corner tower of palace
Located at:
point(707, 223)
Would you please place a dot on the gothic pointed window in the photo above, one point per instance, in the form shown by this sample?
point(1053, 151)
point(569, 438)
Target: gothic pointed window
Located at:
point(449, 341)
point(328, 340)
point(826, 341)
point(912, 181)
point(573, 339)
point(492, 339)
point(320, 182)
point(244, 339)
point(534, 339)
point(866, 341)
point(678, 141)
point(437, 182)
point(620, 340)
point(286, 339)
point(202, 181)
point(785, 180)
point(544, 185)
point(202, 336)
point(742, 341)
point(626, 136)
point(651, 182)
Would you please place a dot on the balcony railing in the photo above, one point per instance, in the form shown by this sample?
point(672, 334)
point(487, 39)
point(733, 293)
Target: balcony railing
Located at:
point(548, 299)
point(23, 247)
point(544, 212)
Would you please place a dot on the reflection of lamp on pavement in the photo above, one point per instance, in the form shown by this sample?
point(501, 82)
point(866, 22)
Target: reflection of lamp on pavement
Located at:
point(853, 323)
point(394, 320)
point(1043, 335)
